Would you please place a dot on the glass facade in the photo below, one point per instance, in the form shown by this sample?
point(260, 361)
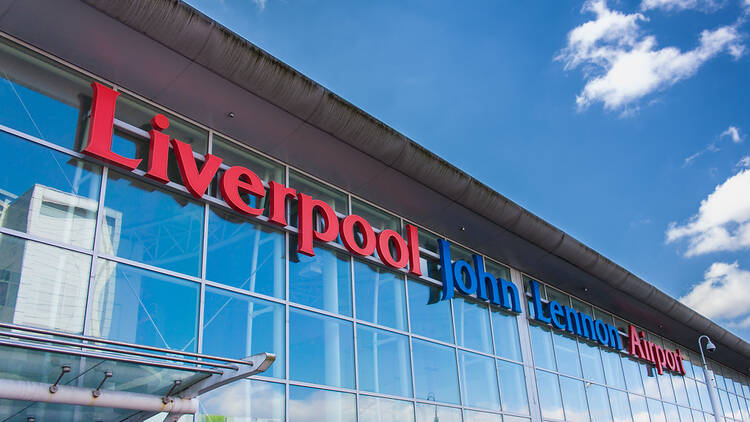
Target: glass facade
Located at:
point(96, 250)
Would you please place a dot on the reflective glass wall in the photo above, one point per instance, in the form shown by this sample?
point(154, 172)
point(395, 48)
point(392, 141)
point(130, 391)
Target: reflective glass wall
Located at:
point(107, 253)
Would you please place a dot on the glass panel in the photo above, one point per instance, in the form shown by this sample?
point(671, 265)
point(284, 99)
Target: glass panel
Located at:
point(697, 368)
point(574, 400)
point(612, 369)
point(478, 381)
point(549, 396)
point(648, 375)
point(244, 255)
point(23, 411)
point(582, 307)
point(656, 411)
point(566, 351)
point(620, 406)
point(321, 349)
point(505, 328)
point(241, 400)
point(671, 413)
point(512, 387)
point(591, 361)
point(435, 372)
point(384, 363)
point(474, 416)
point(377, 218)
point(375, 409)
point(151, 226)
point(139, 306)
point(472, 325)
point(235, 155)
point(313, 405)
point(430, 316)
point(433, 413)
point(681, 395)
point(632, 370)
point(698, 416)
point(685, 415)
point(428, 240)
point(321, 281)
point(665, 386)
point(541, 345)
point(639, 409)
point(725, 403)
point(42, 286)
point(558, 296)
point(692, 391)
point(508, 418)
point(598, 403)
point(55, 198)
point(41, 98)
point(497, 270)
point(238, 326)
point(380, 296)
point(705, 400)
point(333, 197)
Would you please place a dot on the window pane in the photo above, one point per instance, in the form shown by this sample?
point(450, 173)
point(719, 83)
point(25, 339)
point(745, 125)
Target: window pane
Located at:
point(474, 416)
point(541, 345)
point(335, 198)
point(472, 325)
point(549, 395)
point(665, 386)
point(435, 373)
point(505, 328)
point(566, 351)
point(42, 286)
point(698, 417)
point(238, 326)
point(612, 368)
point(41, 98)
point(639, 409)
point(656, 411)
point(574, 400)
point(671, 413)
point(314, 405)
point(430, 316)
point(591, 361)
point(725, 403)
point(432, 413)
point(384, 364)
point(512, 387)
point(648, 374)
point(620, 406)
point(321, 281)
point(380, 296)
point(632, 370)
point(693, 398)
point(244, 255)
point(705, 400)
point(497, 270)
point(241, 400)
point(139, 306)
point(377, 218)
point(598, 403)
point(678, 382)
point(321, 349)
point(685, 414)
point(478, 381)
point(55, 198)
point(235, 155)
point(375, 409)
point(151, 226)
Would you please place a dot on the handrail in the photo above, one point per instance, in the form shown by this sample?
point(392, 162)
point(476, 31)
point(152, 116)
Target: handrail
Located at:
point(104, 356)
point(109, 349)
point(119, 343)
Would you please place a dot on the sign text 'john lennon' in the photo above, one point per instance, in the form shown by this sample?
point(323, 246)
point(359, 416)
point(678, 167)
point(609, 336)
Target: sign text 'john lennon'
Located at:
point(356, 233)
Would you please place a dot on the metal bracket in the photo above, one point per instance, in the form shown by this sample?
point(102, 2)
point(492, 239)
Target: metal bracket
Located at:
point(64, 370)
point(166, 398)
point(98, 392)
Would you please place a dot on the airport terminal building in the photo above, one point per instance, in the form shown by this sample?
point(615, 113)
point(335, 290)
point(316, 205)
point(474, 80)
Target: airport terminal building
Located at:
point(192, 230)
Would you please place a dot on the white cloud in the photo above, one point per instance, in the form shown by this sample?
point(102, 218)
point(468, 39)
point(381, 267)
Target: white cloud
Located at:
point(744, 162)
point(622, 65)
point(722, 222)
point(679, 5)
point(733, 133)
point(724, 293)
point(260, 3)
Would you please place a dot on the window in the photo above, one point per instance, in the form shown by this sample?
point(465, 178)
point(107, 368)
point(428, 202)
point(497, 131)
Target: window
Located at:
point(238, 326)
point(478, 381)
point(243, 400)
point(566, 351)
point(432, 413)
point(591, 362)
point(512, 387)
point(598, 403)
point(472, 325)
point(541, 344)
point(244, 255)
point(505, 328)
point(314, 405)
point(620, 406)
point(639, 409)
point(321, 349)
point(375, 409)
point(380, 296)
point(574, 399)
point(139, 306)
point(435, 372)
point(549, 395)
point(322, 281)
point(384, 363)
point(430, 316)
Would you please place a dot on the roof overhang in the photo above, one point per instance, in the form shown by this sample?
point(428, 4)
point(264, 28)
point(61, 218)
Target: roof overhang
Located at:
point(170, 53)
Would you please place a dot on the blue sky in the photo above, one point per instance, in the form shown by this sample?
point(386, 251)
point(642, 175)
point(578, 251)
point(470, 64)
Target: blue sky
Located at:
point(624, 123)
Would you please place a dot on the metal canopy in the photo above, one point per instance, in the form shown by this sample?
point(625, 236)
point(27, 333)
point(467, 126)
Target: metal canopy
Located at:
point(47, 375)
